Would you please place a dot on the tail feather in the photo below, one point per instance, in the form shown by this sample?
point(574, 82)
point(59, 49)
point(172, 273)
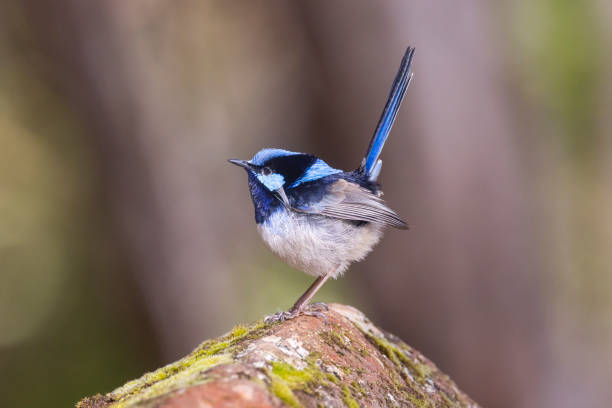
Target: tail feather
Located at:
point(400, 84)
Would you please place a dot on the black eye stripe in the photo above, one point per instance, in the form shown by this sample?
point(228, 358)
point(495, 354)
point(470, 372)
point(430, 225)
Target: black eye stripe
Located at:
point(291, 167)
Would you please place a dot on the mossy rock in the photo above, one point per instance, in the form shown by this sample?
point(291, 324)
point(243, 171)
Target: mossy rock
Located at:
point(304, 362)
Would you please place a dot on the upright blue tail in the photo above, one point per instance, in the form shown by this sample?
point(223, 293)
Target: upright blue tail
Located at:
point(370, 165)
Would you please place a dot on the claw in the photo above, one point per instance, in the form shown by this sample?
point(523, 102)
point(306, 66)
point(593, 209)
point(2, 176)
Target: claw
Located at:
point(314, 313)
point(319, 305)
point(313, 309)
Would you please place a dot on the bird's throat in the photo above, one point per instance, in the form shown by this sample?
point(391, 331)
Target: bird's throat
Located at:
point(264, 201)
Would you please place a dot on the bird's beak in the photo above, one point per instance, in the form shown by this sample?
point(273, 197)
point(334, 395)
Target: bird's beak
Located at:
point(240, 163)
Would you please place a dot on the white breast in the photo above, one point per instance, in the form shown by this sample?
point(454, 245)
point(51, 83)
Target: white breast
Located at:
point(318, 245)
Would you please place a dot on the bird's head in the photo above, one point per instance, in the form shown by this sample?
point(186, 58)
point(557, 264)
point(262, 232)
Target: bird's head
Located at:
point(277, 169)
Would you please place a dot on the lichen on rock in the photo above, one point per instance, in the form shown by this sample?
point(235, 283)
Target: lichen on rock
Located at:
point(305, 362)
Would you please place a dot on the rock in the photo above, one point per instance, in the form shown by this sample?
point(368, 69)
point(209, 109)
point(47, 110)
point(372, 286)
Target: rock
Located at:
point(304, 362)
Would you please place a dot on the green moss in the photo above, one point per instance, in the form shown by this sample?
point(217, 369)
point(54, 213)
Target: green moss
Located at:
point(447, 400)
point(364, 352)
point(386, 348)
point(333, 338)
point(187, 371)
point(286, 379)
point(420, 403)
point(291, 375)
point(97, 400)
point(348, 399)
point(239, 331)
point(359, 388)
point(422, 370)
point(214, 348)
point(399, 358)
point(281, 389)
point(157, 385)
point(332, 378)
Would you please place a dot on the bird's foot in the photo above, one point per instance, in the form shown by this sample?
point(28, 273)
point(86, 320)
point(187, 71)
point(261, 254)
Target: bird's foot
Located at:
point(316, 310)
point(313, 309)
point(315, 313)
point(281, 316)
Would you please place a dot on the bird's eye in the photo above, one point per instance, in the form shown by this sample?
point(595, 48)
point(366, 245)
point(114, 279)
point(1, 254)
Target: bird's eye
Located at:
point(266, 171)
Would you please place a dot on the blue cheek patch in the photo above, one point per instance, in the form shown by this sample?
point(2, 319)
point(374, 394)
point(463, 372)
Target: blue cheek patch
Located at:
point(272, 181)
point(318, 170)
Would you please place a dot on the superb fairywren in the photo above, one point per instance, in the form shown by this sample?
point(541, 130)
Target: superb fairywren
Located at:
point(317, 218)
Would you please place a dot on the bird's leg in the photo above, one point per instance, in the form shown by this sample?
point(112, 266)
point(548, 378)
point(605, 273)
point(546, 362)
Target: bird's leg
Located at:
point(309, 294)
point(300, 305)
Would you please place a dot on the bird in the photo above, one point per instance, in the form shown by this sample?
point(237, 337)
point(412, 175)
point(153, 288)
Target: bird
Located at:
point(320, 219)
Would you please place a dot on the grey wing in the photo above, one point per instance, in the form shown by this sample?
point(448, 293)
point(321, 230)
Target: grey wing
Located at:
point(349, 201)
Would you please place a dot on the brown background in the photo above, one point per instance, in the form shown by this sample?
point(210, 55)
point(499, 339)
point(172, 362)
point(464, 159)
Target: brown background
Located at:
point(126, 238)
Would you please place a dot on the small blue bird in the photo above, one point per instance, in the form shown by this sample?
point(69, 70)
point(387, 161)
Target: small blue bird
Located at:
point(317, 218)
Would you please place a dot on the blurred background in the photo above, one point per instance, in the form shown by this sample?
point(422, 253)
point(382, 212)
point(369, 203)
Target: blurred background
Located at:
point(126, 238)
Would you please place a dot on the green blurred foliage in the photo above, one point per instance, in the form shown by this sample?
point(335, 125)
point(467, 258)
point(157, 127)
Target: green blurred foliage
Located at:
point(562, 41)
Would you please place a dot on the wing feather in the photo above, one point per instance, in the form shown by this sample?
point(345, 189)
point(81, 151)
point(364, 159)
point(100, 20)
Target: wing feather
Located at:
point(349, 201)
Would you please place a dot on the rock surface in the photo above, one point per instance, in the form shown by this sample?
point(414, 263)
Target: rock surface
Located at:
point(304, 362)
